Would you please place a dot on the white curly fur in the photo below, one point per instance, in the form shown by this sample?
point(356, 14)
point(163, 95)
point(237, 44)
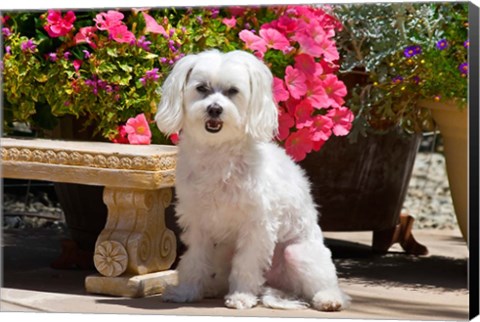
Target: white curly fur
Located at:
point(248, 219)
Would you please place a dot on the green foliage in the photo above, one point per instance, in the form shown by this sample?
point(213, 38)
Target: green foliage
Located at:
point(387, 84)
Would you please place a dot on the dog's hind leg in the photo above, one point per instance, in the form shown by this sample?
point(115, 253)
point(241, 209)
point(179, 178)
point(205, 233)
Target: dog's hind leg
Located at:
point(311, 268)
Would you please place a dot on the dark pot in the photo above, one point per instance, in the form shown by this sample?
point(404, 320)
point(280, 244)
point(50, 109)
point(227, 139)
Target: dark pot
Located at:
point(85, 212)
point(361, 186)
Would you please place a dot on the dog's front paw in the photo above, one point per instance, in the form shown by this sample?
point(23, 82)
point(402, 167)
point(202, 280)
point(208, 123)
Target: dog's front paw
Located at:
point(240, 300)
point(330, 300)
point(182, 293)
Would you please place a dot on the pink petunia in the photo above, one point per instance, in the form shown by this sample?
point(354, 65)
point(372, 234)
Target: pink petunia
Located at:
point(77, 63)
point(58, 26)
point(280, 93)
point(285, 123)
point(138, 130)
point(121, 136)
point(230, 22)
point(298, 144)
point(335, 89)
point(274, 39)
point(108, 20)
point(296, 82)
point(342, 119)
point(316, 94)
point(306, 64)
point(152, 25)
point(303, 114)
point(86, 35)
point(252, 41)
point(321, 128)
point(121, 34)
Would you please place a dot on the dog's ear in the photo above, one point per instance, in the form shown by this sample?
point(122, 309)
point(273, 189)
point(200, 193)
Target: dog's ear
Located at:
point(262, 114)
point(170, 112)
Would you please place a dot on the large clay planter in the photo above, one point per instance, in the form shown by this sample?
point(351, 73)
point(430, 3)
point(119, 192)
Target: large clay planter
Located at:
point(453, 125)
point(361, 186)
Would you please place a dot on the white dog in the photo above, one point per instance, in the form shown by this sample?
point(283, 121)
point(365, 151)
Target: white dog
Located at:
point(248, 219)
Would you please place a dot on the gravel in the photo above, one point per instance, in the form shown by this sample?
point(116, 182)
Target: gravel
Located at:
point(428, 200)
point(428, 197)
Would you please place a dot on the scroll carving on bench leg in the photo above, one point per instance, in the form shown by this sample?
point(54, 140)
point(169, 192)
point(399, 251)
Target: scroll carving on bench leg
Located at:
point(135, 241)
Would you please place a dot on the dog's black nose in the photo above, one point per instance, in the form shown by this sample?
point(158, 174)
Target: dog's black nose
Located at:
point(214, 110)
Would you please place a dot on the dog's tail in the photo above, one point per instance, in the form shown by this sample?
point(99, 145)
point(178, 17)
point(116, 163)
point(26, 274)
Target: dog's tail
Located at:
point(277, 299)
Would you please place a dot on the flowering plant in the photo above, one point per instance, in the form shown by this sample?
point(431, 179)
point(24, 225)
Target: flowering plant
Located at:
point(401, 53)
point(108, 66)
point(103, 67)
point(299, 48)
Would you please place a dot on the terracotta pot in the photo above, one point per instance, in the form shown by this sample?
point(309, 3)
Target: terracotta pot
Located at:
point(453, 125)
point(361, 186)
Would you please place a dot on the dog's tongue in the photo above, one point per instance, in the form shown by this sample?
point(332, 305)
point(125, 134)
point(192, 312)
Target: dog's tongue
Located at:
point(213, 126)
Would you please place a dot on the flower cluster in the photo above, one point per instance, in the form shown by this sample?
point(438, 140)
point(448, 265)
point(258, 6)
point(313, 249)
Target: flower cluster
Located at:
point(106, 67)
point(298, 45)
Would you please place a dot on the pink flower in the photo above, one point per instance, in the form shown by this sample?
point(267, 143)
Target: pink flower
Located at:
point(321, 128)
point(252, 41)
point(108, 20)
point(138, 130)
point(121, 34)
point(58, 26)
point(305, 63)
point(342, 119)
point(175, 138)
point(285, 123)
point(152, 25)
point(295, 81)
point(298, 144)
point(303, 114)
point(86, 35)
point(274, 39)
point(230, 23)
point(335, 90)
point(280, 93)
point(77, 63)
point(121, 136)
point(316, 93)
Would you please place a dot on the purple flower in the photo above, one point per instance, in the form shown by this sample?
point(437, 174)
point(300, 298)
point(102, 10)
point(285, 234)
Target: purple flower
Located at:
point(171, 32)
point(416, 80)
point(397, 80)
point(442, 44)
point(6, 32)
point(199, 19)
point(163, 60)
point(463, 68)
point(8, 50)
point(28, 46)
point(411, 51)
point(86, 54)
point(143, 43)
point(52, 57)
point(150, 75)
point(466, 44)
point(67, 54)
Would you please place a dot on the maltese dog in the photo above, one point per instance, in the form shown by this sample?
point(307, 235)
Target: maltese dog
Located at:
point(247, 216)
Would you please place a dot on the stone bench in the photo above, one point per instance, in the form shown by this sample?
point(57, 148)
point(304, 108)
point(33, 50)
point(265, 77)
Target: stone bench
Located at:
point(135, 249)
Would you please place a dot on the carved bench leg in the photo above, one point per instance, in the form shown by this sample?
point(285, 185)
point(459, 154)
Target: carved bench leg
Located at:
point(135, 247)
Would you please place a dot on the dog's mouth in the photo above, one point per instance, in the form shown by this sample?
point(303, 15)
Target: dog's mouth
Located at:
point(213, 126)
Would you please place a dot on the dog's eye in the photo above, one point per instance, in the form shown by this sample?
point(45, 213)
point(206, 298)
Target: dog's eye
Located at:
point(202, 89)
point(232, 91)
